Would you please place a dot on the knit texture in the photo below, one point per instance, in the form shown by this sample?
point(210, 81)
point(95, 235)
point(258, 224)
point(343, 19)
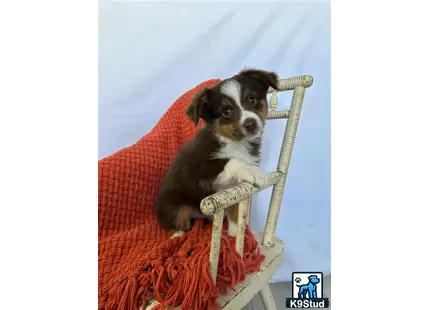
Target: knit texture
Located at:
point(137, 259)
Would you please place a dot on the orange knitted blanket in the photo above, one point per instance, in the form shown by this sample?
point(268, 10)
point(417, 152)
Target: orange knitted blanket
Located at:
point(137, 259)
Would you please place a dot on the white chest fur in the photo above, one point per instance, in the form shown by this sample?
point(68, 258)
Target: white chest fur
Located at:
point(239, 150)
point(242, 166)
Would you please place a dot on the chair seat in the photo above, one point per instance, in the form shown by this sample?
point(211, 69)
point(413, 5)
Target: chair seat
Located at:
point(253, 283)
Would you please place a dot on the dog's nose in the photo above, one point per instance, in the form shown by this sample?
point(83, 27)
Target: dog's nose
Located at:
point(250, 125)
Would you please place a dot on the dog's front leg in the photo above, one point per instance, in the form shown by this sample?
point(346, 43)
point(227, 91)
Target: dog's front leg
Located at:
point(253, 175)
point(236, 171)
point(314, 294)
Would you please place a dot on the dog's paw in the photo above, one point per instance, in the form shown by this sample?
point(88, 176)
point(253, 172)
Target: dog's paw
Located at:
point(255, 176)
point(178, 233)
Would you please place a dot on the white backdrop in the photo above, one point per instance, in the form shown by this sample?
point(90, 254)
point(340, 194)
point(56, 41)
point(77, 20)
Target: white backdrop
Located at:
point(150, 53)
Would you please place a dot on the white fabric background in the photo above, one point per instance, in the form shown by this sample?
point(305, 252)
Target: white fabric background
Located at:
point(151, 53)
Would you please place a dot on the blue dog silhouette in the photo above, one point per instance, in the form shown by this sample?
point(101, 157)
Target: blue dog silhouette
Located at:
point(309, 289)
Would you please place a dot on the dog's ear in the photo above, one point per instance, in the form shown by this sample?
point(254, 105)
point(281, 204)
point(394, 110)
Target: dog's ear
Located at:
point(199, 105)
point(265, 78)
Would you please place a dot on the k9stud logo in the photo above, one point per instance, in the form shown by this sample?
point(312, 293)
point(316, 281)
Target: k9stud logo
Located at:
point(307, 288)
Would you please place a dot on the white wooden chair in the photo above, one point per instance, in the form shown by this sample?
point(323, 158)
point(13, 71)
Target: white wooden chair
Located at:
point(271, 247)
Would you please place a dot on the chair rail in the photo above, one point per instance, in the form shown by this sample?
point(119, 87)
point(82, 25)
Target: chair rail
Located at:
point(228, 197)
point(278, 114)
point(293, 82)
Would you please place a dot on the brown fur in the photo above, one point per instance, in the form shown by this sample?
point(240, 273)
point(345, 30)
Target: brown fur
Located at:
point(182, 218)
point(264, 108)
point(188, 180)
point(227, 130)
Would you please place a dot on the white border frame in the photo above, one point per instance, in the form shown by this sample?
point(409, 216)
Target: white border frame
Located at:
point(380, 158)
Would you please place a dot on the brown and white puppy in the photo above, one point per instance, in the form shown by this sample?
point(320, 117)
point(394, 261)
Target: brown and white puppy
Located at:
point(224, 153)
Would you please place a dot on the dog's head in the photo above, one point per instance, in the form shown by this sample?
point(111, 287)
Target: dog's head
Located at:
point(313, 279)
point(235, 108)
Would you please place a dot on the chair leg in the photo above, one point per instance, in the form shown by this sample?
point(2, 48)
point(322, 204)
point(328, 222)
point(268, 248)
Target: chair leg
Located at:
point(152, 304)
point(267, 298)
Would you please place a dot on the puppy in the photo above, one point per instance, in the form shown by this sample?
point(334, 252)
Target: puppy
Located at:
point(224, 153)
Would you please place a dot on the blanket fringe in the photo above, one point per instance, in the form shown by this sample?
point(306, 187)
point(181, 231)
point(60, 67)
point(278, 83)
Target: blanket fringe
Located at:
point(177, 272)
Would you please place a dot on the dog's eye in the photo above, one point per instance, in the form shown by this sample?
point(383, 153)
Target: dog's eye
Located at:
point(226, 112)
point(252, 100)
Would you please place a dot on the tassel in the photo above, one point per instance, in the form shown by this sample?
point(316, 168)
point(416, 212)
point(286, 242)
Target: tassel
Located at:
point(177, 272)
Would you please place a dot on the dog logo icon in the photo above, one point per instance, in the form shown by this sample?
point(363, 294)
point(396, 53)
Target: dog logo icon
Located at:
point(307, 289)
